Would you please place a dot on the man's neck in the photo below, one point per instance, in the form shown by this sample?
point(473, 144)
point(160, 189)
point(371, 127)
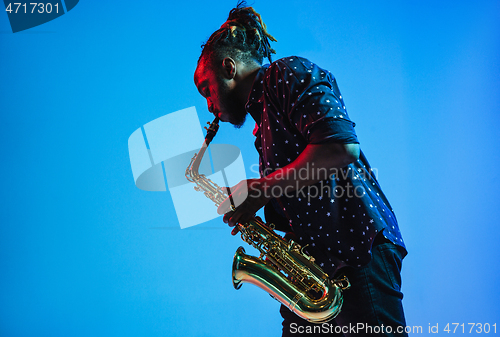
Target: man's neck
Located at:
point(247, 75)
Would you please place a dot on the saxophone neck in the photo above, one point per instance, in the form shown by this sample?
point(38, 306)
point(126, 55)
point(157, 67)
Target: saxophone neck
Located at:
point(193, 167)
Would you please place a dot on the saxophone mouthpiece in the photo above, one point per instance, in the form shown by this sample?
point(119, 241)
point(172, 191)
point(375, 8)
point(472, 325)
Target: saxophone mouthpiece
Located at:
point(212, 130)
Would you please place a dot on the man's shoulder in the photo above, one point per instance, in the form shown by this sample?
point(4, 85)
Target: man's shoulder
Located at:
point(291, 61)
point(296, 66)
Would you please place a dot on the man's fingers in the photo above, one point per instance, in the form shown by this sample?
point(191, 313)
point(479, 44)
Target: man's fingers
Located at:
point(224, 207)
point(235, 230)
point(228, 203)
point(233, 218)
point(227, 216)
point(239, 216)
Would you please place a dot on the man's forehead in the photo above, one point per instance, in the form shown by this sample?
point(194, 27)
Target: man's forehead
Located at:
point(200, 70)
point(203, 70)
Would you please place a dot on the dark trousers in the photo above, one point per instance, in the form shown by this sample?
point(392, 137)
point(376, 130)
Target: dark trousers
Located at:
point(372, 305)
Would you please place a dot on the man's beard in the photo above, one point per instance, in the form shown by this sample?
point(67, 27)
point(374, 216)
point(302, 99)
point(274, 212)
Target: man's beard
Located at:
point(240, 119)
point(232, 106)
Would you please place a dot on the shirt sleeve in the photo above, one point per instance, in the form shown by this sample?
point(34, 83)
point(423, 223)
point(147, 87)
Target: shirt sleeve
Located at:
point(310, 98)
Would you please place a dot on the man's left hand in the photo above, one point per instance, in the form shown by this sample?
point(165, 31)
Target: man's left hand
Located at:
point(249, 196)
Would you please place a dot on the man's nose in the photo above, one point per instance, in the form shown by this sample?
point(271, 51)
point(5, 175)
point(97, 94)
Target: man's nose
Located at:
point(210, 105)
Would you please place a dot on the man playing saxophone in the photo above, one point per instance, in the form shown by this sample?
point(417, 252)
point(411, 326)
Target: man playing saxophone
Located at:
point(313, 173)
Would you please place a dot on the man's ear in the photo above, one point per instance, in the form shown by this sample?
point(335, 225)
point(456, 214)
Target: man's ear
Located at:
point(228, 68)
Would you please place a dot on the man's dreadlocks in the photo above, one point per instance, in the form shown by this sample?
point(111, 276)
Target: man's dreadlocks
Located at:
point(243, 35)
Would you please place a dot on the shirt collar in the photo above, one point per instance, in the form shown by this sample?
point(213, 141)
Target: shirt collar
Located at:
point(254, 103)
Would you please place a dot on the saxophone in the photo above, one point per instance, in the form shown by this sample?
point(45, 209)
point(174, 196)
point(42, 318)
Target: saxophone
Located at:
point(283, 269)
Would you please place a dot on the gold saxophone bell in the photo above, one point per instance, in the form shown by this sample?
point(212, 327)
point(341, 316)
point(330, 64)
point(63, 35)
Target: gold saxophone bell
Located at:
point(283, 270)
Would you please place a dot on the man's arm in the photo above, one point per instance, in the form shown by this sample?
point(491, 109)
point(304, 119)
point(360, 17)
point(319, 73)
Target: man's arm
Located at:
point(317, 162)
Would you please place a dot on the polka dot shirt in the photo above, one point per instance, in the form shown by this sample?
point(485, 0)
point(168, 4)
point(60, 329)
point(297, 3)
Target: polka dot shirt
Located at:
point(295, 103)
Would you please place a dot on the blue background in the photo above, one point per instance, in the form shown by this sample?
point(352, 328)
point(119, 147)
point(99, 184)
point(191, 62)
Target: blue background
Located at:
point(83, 252)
